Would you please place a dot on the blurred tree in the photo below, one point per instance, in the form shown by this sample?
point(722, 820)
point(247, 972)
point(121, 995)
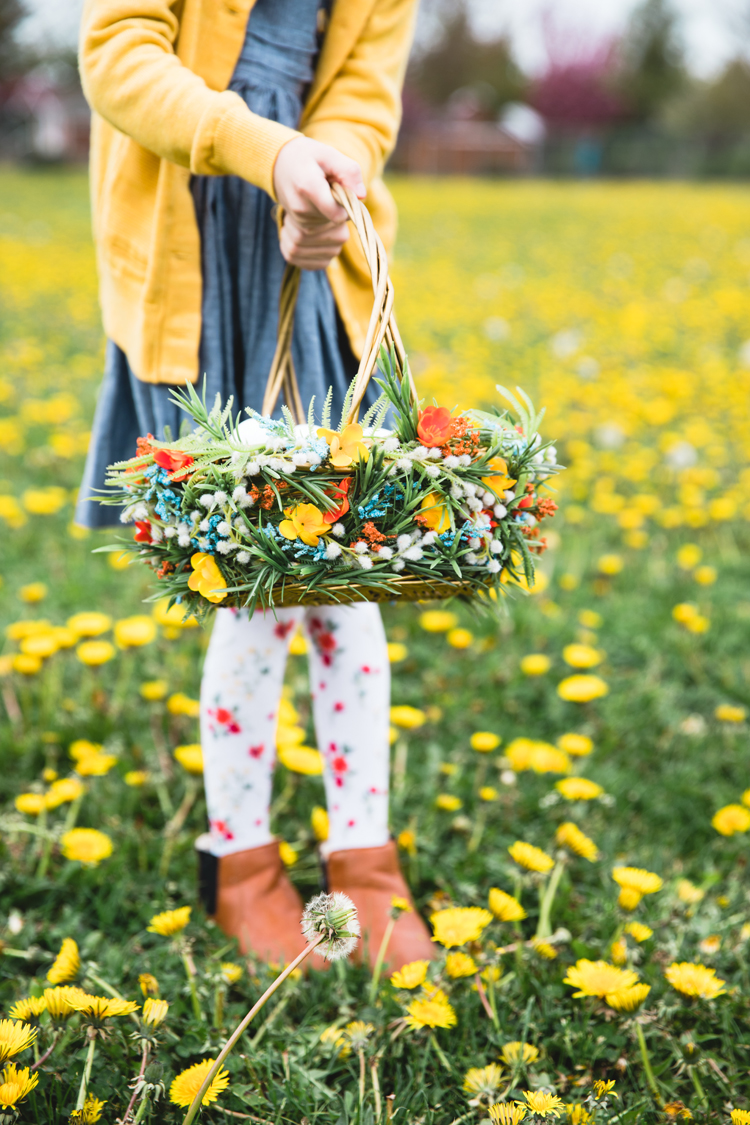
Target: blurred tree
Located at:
point(652, 62)
point(455, 59)
point(11, 14)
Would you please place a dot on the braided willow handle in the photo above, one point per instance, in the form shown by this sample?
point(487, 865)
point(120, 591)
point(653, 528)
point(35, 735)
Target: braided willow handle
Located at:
point(382, 328)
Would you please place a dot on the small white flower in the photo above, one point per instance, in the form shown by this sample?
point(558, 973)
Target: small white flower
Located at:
point(224, 547)
point(500, 511)
point(493, 566)
point(414, 554)
point(475, 543)
point(399, 565)
point(288, 467)
point(465, 459)
point(204, 525)
point(207, 500)
point(429, 539)
point(223, 528)
point(220, 497)
point(253, 468)
point(365, 562)
point(404, 464)
point(239, 494)
point(474, 505)
point(451, 461)
point(299, 458)
point(338, 530)
point(391, 444)
point(456, 491)
point(403, 542)
point(469, 489)
point(333, 551)
point(184, 540)
point(170, 532)
point(243, 558)
point(432, 471)
point(204, 544)
point(385, 553)
point(361, 548)
point(508, 777)
point(436, 453)
point(496, 547)
point(419, 454)
point(489, 499)
point(509, 495)
point(471, 559)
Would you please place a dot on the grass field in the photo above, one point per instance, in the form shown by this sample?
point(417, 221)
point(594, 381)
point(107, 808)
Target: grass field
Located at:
point(625, 310)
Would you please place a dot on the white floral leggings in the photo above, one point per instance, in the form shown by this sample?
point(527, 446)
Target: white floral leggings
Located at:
point(240, 693)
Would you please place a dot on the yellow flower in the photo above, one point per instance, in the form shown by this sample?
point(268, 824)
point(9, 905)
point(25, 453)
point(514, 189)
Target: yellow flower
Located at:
point(64, 637)
point(398, 902)
point(59, 1001)
point(96, 1009)
point(459, 924)
point(582, 689)
point(28, 1009)
point(319, 823)
point(505, 906)
point(688, 556)
point(410, 975)
point(688, 892)
point(570, 836)
point(503, 1113)
point(66, 965)
point(434, 513)
point(498, 481)
point(301, 759)
point(149, 984)
point(89, 624)
point(610, 564)
point(136, 778)
point(694, 979)
point(433, 1009)
point(134, 632)
point(397, 652)
point(207, 579)
point(740, 1117)
point(579, 745)
point(578, 789)
point(15, 1083)
point(638, 931)
point(230, 971)
point(170, 922)
point(448, 802)
point(14, 1038)
point(187, 1084)
point(95, 765)
point(483, 1081)
point(619, 951)
point(746, 798)
point(408, 718)
point(94, 653)
point(597, 978)
point(45, 501)
point(154, 690)
point(484, 741)
point(118, 561)
point(516, 1050)
point(40, 644)
point(334, 1037)
point(190, 757)
point(629, 998)
point(26, 664)
point(91, 1112)
point(181, 704)
point(710, 944)
point(63, 790)
point(33, 592)
point(346, 447)
point(82, 748)
point(638, 881)
point(535, 664)
point(533, 859)
point(705, 575)
point(544, 949)
point(154, 1011)
point(459, 638)
point(488, 793)
point(438, 620)
point(174, 616)
point(581, 656)
point(459, 965)
point(731, 819)
point(543, 1105)
point(407, 841)
point(602, 1088)
point(729, 713)
point(288, 854)
point(298, 645)
point(305, 522)
point(357, 1033)
point(87, 845)
point(30, 803)
point(544, 758)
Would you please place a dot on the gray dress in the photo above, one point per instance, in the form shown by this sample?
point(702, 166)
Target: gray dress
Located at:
point(242, 269)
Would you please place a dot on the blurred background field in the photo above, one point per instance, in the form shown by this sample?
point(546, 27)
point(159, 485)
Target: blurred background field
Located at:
point(624, 309)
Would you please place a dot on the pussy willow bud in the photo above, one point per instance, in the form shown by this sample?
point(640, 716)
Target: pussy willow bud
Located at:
point(334, 916)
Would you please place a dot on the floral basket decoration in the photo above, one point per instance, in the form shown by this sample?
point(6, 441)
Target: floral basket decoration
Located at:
point(275, 512)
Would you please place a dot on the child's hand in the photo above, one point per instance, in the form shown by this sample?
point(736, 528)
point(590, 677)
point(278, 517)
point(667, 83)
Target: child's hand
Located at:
point(314, 228)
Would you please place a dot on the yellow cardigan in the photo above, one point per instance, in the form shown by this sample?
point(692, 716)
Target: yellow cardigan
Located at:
point(155, 73)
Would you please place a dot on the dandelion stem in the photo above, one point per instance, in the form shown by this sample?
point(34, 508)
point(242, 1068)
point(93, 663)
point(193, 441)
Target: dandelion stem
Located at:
point(698, 1086)
point(439, 1052)
point(380, 959)
point(376, 1087)
point(43, 1058)
point(485, 1002)
point(544, 929)
point(361, 1054)
point(271, 1017)
point(650, 1077)
point(72, 817)
point(142, 1108)
point(399, 764)
point(190, 974)
point(476, 836)
point(141, 1072)
point(198, 1099)
point(45, 847)
point(86, 1076)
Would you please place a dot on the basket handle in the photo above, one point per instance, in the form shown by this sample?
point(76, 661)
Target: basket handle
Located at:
point(382, 328)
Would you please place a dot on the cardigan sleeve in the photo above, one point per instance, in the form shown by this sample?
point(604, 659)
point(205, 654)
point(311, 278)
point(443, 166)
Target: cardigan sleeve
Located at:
point(133, 79)
point(360, 113)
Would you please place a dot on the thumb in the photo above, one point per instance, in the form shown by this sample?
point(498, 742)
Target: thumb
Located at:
point(341, 170)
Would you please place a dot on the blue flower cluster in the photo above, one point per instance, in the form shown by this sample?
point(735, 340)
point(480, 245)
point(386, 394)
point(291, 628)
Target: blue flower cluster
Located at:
point(168, 502)
point(207, 540)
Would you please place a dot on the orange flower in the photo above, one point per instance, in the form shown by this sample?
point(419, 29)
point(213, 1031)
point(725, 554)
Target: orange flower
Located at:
point(434, 514)
point(305, 522)
point(346, 447)
point(175, 462)
point(499, 481)
point(340, 497)
point(207, 579)
point(434, 426)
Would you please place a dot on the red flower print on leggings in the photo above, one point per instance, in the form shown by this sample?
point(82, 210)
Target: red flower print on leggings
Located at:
point(321, 634)
point(225, 721)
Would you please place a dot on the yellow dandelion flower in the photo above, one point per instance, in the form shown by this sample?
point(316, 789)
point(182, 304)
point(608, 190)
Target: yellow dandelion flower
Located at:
point(407, 841)
point(396, 652)
point(740, 1116)
point(483, 1081)
point(28, 1009)
point(602, 1088)
point(577, 1115)
point(89, 624)
point(30, 803)
point(187, 1084)
point(301, 759)
point(448, 802)
point(570, 836)
point(15, 1083)
point(26, 664)
point(149, 985)
point(488, 793)
point(357, 1033)
point(514, 1051)
point(170, 922)
point(190, 757)
point(173, 617)
point(578, 789)
point(503, 1113)
point(95, 765)
point(411, 975)
point(91, 1112)
point(433, 1009)
point(408, 718)
point(579, 745)
point(504, 906)
point(688, 556)
point(154, 1011)
point(438, 621)
point(694, 979)
point(544, 949)
point(459, 965)
point(535, 664)
point(136, 778)
point(544, 758)
point(334, 1037)
point(638, 931)
point(618, 951)
point(94, 653)
point(731, 819)
point(705, 575)
point(484, 741)
point(14, 1038)
point(59, 1001)
point(81, 748)
point(533, 859)
point(710, 944)
point(582, 689)
point(459, 638)
point(181, 704)
point(398, 902)
point(543, 1104)
point(153, 690)
point(519, 753)
point(133, 632)
point(230, 971)
point(67, 963)
point(319, 823)
point(289, 855)
point(87, 845)
point(597, 978)
point(730, 713)
point(638, 881)
point(96, 1009)
point(629, 998)
point(459, 924)
point(64, 790)
point(581, 656)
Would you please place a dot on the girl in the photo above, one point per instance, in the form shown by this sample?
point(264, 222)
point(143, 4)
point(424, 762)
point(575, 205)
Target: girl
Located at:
point(206, 112)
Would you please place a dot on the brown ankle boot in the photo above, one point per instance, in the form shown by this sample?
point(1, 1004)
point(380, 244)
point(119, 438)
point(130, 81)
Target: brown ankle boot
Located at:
point(372, 878)
point(248, 894)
